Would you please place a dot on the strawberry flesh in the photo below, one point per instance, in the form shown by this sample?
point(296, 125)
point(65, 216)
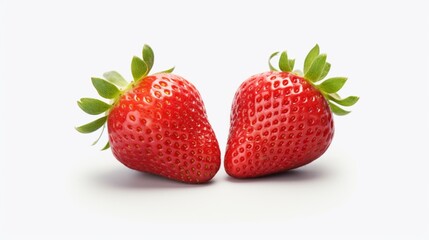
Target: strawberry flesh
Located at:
point(279, 121)
point(160, 126)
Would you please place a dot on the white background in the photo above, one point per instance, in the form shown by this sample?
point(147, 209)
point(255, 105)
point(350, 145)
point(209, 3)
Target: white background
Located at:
point(371, 184)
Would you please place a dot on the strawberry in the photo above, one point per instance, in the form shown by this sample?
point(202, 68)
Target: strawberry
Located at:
point(156, 124)
point(282, 120)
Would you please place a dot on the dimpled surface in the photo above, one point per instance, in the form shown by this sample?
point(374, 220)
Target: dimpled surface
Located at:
point(278, 122)
point(161, 127)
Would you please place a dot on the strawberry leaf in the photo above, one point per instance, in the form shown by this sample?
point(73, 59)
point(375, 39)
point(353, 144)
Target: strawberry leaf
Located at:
point(325, 71)
point(139, 68)
point(107, 146)
point(115, 78)
point(332, 85)
point(284, 62)
point(148, 57)
point(316, 68)
point(334, 95)
point(311, 56)
point(337, 110)
point(291, 63)
point(92, 126)
point(105, 88)
point(348, 101)
point(168, 70)
point(93, 106)
point(269, 62)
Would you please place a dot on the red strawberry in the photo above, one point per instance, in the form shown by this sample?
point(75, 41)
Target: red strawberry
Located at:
point(156, 124)
point(281, 120)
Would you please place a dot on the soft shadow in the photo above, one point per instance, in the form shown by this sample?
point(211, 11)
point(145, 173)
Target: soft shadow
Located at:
point(125, 178)
point(295, 175)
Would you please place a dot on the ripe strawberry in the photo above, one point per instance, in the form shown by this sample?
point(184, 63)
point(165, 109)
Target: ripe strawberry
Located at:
point(281, 120)
point(156, 124)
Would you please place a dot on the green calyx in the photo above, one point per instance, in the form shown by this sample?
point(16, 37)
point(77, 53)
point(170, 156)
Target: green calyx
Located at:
point(111, 87)
point(316, 68)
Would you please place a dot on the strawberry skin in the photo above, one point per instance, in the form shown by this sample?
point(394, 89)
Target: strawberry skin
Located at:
point(156, 124)
point(160, 126)
point(278, 122)
point(282, 120)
